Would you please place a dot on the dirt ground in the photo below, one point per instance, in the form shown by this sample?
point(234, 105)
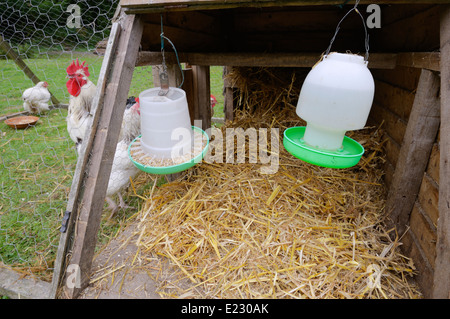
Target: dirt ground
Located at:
point(116, 276)
point(119, 273)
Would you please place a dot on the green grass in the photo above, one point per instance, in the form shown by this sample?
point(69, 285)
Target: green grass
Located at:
point(217, 90)
point(37, 164)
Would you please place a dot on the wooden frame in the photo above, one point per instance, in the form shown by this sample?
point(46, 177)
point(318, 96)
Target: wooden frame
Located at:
point(93, 171)
point(419, 137)
point(423, 60)
point(77, 182)
point(145, 6)
point(89, 186)
point(441, 287)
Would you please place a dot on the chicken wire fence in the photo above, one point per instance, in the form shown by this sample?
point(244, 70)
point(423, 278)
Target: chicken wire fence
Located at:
point(39, 40)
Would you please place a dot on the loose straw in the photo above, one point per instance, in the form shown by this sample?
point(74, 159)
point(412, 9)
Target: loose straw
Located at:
point(228, 231)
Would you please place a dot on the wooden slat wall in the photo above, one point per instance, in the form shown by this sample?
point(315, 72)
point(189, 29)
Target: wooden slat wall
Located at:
point(394, 97)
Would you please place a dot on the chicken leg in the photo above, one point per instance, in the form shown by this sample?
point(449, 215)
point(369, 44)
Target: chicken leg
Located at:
point(114, 207)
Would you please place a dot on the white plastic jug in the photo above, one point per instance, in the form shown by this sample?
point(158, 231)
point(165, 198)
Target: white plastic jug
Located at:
point(165, 123)
point(336, 97)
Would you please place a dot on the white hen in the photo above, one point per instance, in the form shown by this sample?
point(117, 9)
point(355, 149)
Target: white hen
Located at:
point(35, 99)
point(123, 168)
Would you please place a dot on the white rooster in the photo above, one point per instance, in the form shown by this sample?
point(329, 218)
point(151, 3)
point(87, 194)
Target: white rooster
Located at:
point(123, 168)
point(82, 92)
point(35, 99)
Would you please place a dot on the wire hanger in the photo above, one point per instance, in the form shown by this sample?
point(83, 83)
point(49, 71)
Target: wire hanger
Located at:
point(163, 75)
point(366, 58)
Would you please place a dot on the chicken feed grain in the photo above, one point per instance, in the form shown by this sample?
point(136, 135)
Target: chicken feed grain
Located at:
point(140, 156)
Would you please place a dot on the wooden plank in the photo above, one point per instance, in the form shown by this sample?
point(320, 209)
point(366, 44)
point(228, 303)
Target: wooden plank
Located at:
point(188, 87)
point(406, 78)
point(173, 71)
point(196, 22)
point(441, 287)
point(388, 61)
point(393, 124)
point(433, 164)
point(202, 90)
point(421, 60)
point(395, 99)
point(419, 137)
point(103, 149)
point(429, 198)
point(424, 271)
point(140, 6)
point(228, 94)
point(418, 32)
point(389, 170)
point(301, 59)
point(424, 231)
point(392, 149)
point(51, 107)
point(10, 53)
point(86, 148)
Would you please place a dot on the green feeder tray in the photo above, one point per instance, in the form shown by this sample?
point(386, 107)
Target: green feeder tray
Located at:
point(174, 168)
point(348, 156)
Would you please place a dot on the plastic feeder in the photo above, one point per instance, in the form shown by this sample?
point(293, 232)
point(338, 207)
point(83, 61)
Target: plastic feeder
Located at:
point(163, 120)
point(347, 156)
point(336, 97)
point(160, 170)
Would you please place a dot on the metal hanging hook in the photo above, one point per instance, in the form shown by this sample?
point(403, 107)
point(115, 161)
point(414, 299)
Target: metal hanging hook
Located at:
point(163, 75)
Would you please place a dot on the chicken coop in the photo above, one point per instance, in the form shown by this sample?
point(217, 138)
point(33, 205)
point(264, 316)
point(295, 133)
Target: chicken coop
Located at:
point(409, 58)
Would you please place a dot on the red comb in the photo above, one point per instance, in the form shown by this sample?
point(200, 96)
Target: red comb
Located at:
point(71, 69)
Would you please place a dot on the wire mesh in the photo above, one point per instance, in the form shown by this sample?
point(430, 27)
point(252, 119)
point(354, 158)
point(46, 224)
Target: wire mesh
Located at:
point(39, 40)
point(37, 162)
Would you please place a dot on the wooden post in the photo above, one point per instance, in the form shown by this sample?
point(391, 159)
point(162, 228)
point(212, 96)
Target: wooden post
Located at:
point(86, 148)
point(441, 287)
point(228, 95)
point(174, 72)
point(202, 91)
point(22, 65)
point(188, 87)
point(420, 135)
point(100, 159)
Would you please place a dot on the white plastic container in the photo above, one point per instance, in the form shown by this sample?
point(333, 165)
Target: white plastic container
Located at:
point(165, 123)
point(336, 97)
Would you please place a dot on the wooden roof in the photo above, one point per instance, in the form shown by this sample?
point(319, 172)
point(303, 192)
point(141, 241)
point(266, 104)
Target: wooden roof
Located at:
point(143, 6)
point(286, 26)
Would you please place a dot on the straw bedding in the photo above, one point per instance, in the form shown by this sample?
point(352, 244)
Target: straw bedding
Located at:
point(302, 232)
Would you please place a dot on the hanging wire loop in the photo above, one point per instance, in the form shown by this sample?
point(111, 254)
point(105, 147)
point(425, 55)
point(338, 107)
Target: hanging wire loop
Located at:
point(164, 66)
point(366, 42)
